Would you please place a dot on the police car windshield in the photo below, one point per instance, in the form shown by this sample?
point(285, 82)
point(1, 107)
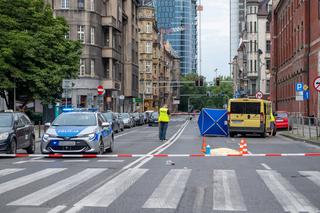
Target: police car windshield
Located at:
point(75, 119)
point(5, 120)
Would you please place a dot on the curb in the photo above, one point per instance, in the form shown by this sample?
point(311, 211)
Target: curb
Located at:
point(301, 139)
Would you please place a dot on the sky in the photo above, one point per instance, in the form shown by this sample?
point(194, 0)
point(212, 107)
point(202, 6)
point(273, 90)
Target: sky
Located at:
point(215, 38)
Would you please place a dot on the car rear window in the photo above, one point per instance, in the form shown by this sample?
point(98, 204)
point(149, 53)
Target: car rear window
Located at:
point(282, 115)
point(245, 108)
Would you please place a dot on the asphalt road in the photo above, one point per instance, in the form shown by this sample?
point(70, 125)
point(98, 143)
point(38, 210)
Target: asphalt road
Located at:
point(186, 184)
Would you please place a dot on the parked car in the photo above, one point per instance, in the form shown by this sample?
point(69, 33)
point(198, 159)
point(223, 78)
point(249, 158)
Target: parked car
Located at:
point(120, 121)
point(138, 118)
point(78, 132)
point(153, 120)
point(148, 114)
point(112, 118)
point(127, 120)
point(16, 132)
point(282, 120)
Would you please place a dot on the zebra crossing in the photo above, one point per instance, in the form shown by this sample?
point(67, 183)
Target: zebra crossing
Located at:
point(167, 194)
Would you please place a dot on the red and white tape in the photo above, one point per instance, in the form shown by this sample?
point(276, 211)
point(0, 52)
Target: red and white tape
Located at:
point(21, 155)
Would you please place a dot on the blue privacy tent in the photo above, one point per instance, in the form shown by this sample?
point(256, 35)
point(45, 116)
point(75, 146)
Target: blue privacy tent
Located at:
point(213, 122)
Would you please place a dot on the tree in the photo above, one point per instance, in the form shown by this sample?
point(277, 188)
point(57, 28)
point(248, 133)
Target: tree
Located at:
point(34, 53)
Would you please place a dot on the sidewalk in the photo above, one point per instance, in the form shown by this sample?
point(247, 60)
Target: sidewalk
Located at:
point(299, 137)
point(36, 132)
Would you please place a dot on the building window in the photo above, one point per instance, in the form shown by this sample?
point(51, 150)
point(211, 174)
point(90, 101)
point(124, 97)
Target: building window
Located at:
point(255, 46)
point(268, 26)
point(268, 46)
point(67, 35)
point(148, 28)
point(92, 5)
point(149, 47)
point(251, 66)
point(250, 26)
point(148, 66)
point(268, 64)
point(255, 65)
point(92, 62)
point(250, 46)
point(82, 70)
point(92, 33)
point(81, 4)
point(81, 37)
point(65, 4)
point(148, 89)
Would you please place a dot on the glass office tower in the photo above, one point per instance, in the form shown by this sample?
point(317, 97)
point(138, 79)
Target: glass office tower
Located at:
point(178, 21)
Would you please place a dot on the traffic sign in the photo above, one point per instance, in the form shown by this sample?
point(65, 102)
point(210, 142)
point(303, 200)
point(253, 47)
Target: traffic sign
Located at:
point(299, 96)
point(137, 100)
point(121, 97)
point(100, 90)
point(305, 87)
point(316, 83)
point(259, 95)
point(306, 95)
point(299, 87)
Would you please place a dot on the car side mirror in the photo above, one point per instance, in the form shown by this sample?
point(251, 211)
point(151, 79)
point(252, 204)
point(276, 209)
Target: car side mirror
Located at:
point(105, 124)
point(47, 125)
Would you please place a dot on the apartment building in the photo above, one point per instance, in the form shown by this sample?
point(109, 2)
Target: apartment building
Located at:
point(109, 33)
point(159, 65)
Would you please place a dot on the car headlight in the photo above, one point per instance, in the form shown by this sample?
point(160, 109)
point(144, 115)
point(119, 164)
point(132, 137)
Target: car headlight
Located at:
point(4, 136)
point(92, 136)
point(45, 137)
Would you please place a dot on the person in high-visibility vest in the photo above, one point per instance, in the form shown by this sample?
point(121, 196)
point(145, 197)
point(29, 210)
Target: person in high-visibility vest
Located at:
point(164, 119)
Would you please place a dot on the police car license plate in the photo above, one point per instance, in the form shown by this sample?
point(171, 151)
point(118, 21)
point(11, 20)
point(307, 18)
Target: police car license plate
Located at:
point(67, 143)
point(237, 122)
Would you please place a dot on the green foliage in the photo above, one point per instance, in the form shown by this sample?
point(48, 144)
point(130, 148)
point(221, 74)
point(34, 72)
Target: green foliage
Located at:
point(219, 95)
point(33, 50)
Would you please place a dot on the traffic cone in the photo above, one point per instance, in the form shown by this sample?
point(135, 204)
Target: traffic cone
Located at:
point(204, 144)
point(243, 147)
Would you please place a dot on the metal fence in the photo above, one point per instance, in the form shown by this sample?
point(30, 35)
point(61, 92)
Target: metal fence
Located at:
point(306, 127)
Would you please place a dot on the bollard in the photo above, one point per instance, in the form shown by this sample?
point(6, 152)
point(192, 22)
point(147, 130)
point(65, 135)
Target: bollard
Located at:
point(208, 150)
point(39, 127)
point(302, 126)
point(309, 124)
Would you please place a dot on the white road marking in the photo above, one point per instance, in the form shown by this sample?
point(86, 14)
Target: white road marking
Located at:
point(286, 194)
point(39, 197)
point(74, 209)
point(168, 194)
point(110, 191)
point(226, 192)
point(24, 180)
point(111, 161)
point(198, 201)
point(57, 209)
point(20, 162)
point(4, 172)
point(35, 161)
point(314, 176)
point(266, 166)
point(75, 161)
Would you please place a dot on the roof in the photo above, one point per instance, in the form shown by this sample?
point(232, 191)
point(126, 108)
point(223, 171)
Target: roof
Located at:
point(263, 8)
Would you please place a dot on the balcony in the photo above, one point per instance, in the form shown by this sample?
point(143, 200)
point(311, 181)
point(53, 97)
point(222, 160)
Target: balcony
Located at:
point(110, 22)
point(111, 84)
point(110, 53)
point(252, 75)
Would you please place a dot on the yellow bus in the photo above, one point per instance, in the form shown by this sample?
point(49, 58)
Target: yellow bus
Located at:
point(250, 116)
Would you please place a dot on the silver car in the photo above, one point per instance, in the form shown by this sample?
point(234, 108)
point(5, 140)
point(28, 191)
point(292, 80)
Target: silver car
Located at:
point(78, 132)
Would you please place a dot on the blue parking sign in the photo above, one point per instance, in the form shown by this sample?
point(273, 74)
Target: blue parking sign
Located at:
point(306, 95)
point(299, 87)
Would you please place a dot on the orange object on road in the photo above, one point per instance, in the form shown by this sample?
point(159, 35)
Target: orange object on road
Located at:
point(243, 147)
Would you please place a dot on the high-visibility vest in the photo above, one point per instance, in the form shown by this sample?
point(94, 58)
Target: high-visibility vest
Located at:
point(163, 116)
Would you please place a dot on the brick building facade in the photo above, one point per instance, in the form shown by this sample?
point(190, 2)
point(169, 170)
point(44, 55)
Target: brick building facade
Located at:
point(295, 46)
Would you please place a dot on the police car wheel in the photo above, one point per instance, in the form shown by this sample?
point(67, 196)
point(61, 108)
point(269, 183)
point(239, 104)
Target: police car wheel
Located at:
point(110, 149)
point(101, 148)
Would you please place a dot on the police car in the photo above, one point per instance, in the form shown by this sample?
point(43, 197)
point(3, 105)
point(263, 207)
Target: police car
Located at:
point(78, 132)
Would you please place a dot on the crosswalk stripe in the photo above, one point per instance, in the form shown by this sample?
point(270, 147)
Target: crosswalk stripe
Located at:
point(314, 176)
point(110, 191)
point(4, 172)
point(21, 181)
point(57, 209)
point(168, 193)
point(39, 197)
point(226, 192)
point(286, 194)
